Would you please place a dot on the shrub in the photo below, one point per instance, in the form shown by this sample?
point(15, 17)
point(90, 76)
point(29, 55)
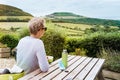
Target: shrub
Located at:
point(10, 40)
point(23, 32)
point(54, 43)
point(112, 59)
point(71, 44)
point(1, 34)
point(94, 42)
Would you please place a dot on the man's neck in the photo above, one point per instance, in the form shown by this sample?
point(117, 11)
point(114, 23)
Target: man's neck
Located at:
point(34, 36)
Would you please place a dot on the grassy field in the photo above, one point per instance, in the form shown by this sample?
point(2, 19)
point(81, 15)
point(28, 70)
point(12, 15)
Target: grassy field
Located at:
point(71, 30)
point(19, 17)
point(8, 25)
point(71, 25)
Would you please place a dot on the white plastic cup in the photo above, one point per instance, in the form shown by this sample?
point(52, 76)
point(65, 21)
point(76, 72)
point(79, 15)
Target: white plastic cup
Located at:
point(50, 59)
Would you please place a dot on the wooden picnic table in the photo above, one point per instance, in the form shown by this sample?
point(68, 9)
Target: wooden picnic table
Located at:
point(79, 68)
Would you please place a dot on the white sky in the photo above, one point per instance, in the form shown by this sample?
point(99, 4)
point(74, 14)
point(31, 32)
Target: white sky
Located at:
point(107, 9)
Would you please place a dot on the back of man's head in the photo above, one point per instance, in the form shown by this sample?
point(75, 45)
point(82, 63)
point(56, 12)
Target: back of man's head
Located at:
point(35, 24)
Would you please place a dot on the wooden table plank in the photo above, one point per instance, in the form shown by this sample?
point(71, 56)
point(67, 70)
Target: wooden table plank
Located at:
point(86, 70)
point(56, 72)
point(28, 76)
point(70, 68)
point(51, 69)
point(34, 73)
point(77, 70)
point(95, 70)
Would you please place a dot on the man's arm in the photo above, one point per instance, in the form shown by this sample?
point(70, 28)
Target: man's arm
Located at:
point(42, 59)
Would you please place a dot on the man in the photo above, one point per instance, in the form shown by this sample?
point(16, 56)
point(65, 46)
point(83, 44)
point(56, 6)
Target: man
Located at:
point(30, 49)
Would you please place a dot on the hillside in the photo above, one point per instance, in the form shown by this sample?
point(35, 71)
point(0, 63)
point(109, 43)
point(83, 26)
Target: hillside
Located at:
point(67, 17)
point(6, 10)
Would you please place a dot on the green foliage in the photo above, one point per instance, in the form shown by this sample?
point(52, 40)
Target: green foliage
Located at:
point(112, 59)
point(89, 21)
point(10, 40)
point(80, 52)
point(23, 32)
point(14, 20)
point(1, 34)
point(54, 43)
point(101, 29)
point(14, 29)
point(94, 42)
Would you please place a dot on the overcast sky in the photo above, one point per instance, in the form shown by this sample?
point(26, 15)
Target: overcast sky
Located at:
point(107, 9)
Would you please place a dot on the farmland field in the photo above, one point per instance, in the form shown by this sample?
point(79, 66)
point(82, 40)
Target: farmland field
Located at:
point(67, 28)
point(72, 30)
point(71, 25)
point(19, 17)
point(8, 25)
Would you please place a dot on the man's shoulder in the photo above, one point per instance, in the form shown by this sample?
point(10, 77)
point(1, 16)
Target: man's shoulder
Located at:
point(39, 41)
point(31, 40)
point(24, 38)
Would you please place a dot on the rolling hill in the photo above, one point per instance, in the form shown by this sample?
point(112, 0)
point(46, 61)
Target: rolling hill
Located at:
point(13, 14)
point(6, 10)
point(67, 17)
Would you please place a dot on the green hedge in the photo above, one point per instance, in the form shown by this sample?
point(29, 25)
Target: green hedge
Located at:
point(23, 32)
point(10, 39)
point(112, 59)
point(54, 43)
point(94, 42)
point(14, 20)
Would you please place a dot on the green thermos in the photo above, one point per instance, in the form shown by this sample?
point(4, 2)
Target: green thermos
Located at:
point(64, 58)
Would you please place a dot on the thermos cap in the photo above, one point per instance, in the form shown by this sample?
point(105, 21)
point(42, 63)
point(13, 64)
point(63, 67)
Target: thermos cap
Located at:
point(65, 50)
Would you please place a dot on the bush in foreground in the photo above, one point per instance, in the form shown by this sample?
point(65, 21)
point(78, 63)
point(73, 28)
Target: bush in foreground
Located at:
point(54, 43)
point(94, 42)
point(112, 59)
point(10, 40)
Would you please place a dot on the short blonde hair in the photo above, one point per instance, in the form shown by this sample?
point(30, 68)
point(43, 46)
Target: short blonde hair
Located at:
point(35, 24)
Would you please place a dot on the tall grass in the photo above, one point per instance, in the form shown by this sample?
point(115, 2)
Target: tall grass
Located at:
point(112, 59)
